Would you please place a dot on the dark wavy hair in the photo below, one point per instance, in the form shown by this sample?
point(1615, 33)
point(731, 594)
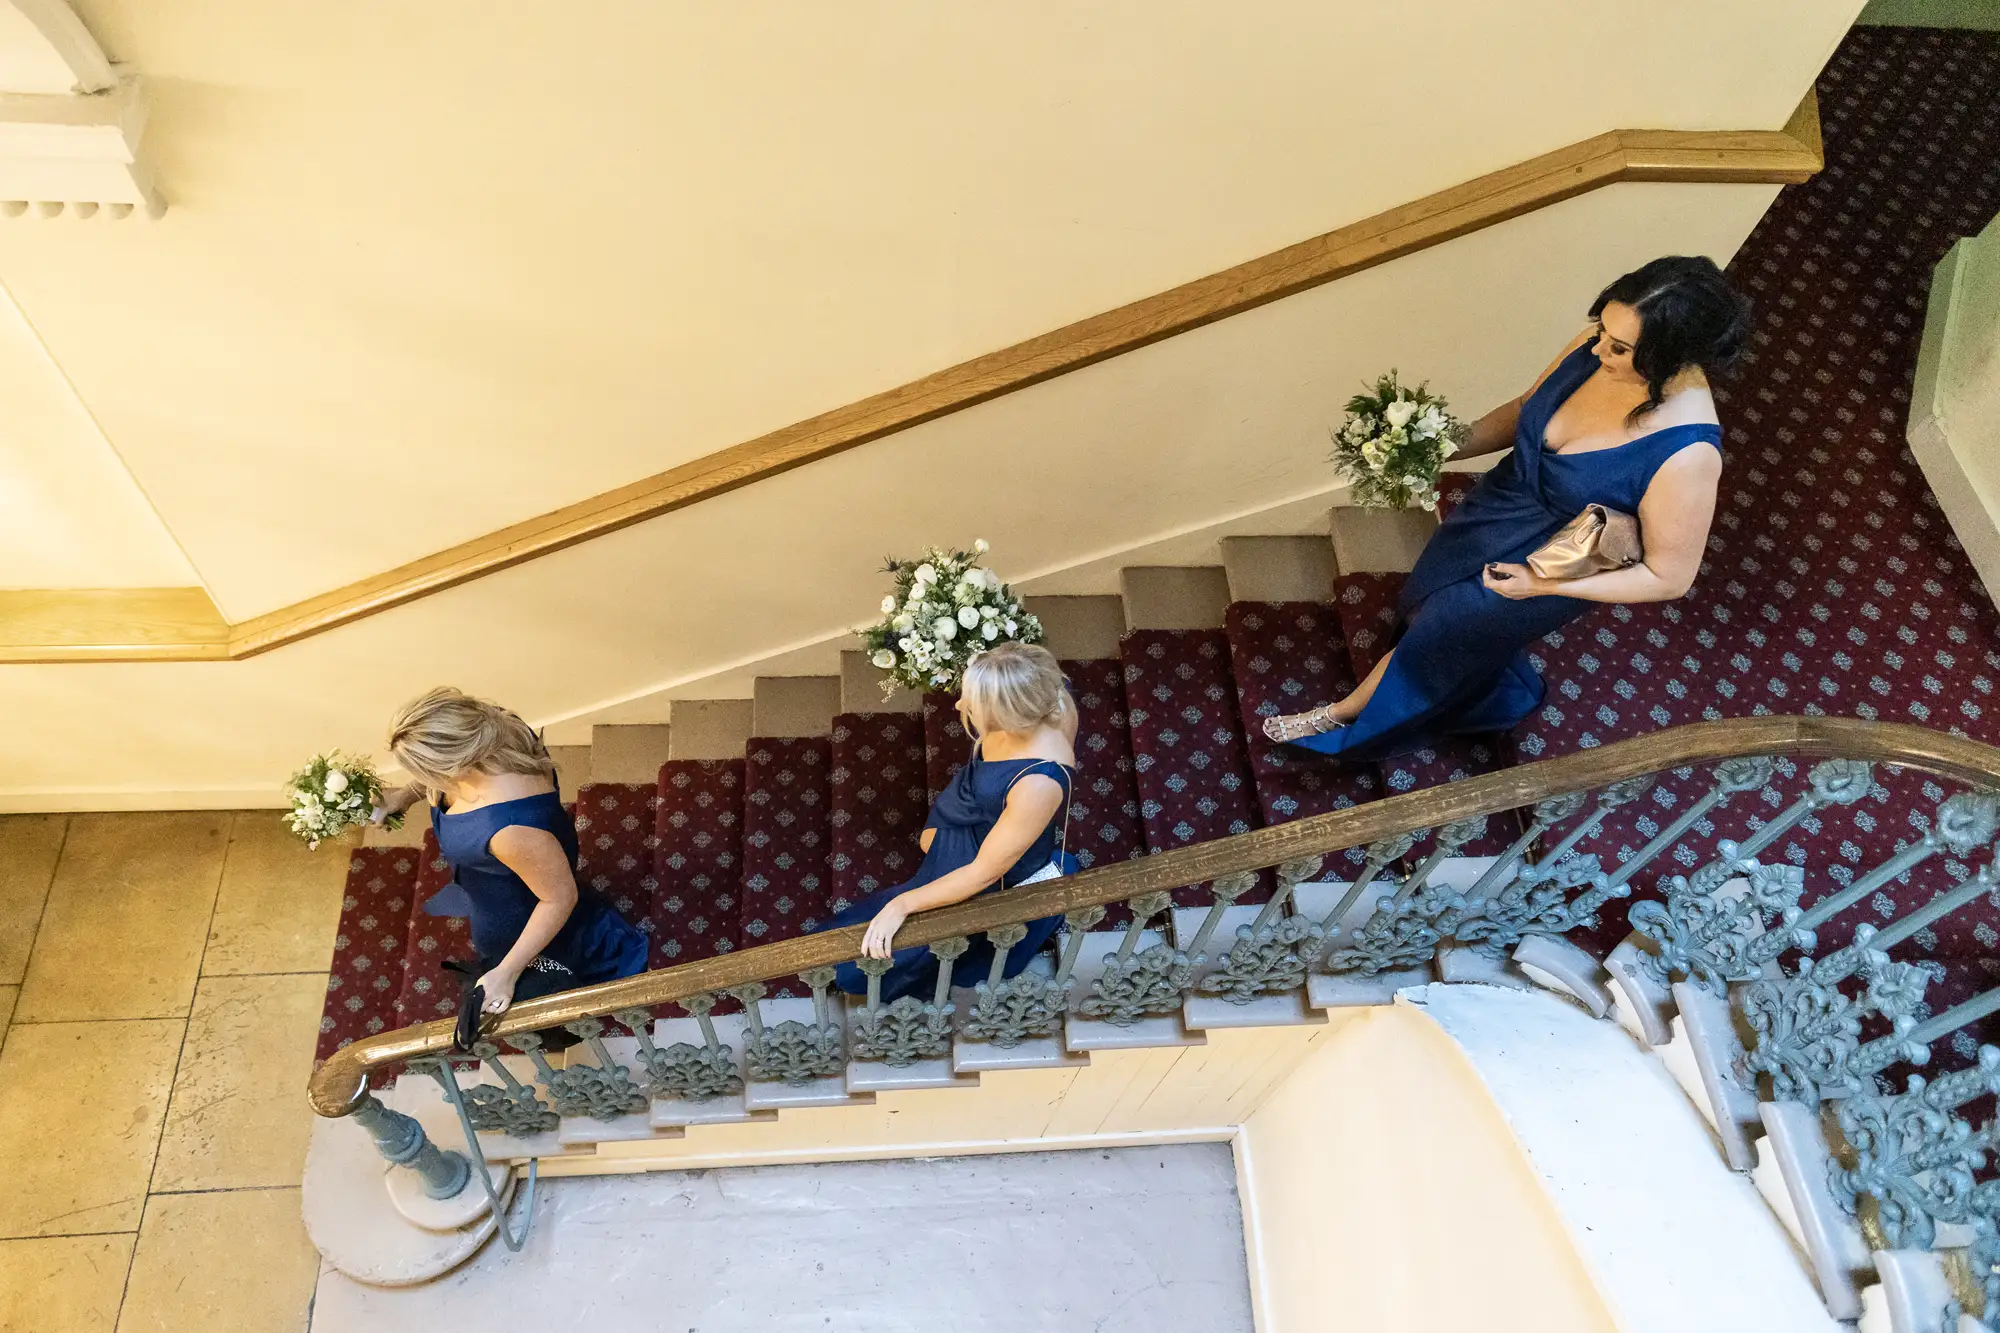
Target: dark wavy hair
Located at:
point(1689, 315)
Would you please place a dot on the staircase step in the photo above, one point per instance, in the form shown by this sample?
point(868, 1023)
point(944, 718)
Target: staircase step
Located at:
point(616, 842)
point(1105, 826)
point(698, 863)
point(861, 691)
point(629, 753)
point(710, 728)
point(1168, 597)
point(1791, 1173)
point(365, 976)
point(1453, 487)
point(879, 798)
point(1279, 569)
point(983, 1057)
point(1287, 657)
point(1202, 1012)
point(631, 1127)
point(1349, 990)
point(1083, 1034)
point(795, 706)
point(1188, 750)
point(786, 842)
point(1086, 628)
point(427, 990)
point(831, 1090)
point(572, 768)
point(1379, 541)
point(869, 1077)
point(727, 1109)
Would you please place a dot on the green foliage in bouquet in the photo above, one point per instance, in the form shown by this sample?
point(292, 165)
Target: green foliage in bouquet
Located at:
point(1394, 444)
point(946, 606)
point(333, 793)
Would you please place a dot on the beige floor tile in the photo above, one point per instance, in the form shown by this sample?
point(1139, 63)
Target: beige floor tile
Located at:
point(279, 905)
point(62, 1284)
point(239, 1116)
point(8, 995)
point(127, 916)
point(237, 1260)
point(29, 845)
point(80, 1112)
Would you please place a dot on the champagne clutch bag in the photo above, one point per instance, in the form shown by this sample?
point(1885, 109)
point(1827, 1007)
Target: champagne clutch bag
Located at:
point(1597, 540)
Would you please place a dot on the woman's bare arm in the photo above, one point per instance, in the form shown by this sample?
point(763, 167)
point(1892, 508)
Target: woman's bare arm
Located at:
point(543, 865)
point(1674, 516)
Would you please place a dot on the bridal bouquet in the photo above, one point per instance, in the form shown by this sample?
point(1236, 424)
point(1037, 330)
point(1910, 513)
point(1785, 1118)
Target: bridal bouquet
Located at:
point(334, 793)
point(1394, 445)
point(946, 607)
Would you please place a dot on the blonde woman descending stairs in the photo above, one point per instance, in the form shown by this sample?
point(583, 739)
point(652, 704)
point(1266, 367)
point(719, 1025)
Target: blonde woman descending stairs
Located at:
point(512, 846)
point(1001, 823)
point(1623, 419)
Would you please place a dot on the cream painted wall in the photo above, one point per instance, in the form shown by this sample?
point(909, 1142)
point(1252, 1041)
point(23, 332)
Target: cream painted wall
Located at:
point(70, 514)
point(433, 268)
point(1388, 1193)
point(1228, 419)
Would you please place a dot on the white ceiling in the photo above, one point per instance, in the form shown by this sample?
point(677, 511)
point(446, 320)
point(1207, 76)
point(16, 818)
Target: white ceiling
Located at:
point(431, 268)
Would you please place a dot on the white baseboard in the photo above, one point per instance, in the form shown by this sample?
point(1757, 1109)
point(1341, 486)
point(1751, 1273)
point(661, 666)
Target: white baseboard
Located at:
point(58, 800)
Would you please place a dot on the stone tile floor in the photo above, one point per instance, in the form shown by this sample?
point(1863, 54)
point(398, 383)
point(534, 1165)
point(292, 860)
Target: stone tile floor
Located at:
point(160, 986)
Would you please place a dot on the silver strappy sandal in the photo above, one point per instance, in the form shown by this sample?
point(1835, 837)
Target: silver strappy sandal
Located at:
point(1297, 726)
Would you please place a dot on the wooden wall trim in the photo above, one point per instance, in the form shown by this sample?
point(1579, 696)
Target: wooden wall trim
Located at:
point(1784, 156)
point(111, 625)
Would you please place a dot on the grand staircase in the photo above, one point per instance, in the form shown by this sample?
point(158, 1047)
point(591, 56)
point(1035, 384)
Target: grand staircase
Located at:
point(1832, 588)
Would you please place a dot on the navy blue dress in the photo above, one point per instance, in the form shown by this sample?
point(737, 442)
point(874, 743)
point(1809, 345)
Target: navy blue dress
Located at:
point(963, 814)
point(595, 944)
point(1461, 663)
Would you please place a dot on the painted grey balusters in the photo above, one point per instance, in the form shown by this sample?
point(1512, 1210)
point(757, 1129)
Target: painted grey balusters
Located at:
point(1272, 953)
point(1406, 929)
point(1381, 853)
point(1702, 932)
point(792, 1052)
point(402, 1142)
point(692, 1073)
point(602, 1092)
point(1008, 1010)
point(1136, 983)
point(909, 1029)
point(508, 1107)
point(1916, 1158)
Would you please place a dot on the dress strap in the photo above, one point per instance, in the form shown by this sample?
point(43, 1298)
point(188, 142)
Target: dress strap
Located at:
point(1067, 781)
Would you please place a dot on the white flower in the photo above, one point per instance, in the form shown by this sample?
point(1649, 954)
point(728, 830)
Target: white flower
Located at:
point(336, 782)
point(1376, 452)
point(988, 612)
point(1430, 421)
point(926, 573)
point(884, 658)
point(1450, 447)
point(968, 617)
point(889, 604)
point(901, 624)
point(946, 629)
point(907, 643)
point(989, 631)
point(979, 545)
point(1009, 627)
point(1399, 412)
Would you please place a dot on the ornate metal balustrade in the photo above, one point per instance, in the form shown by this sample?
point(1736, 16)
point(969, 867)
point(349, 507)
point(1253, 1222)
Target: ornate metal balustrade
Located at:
point(1727, 947)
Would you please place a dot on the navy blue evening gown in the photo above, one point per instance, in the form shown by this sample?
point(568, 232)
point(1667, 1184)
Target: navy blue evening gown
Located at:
point(1461, 663)
point(963, 814)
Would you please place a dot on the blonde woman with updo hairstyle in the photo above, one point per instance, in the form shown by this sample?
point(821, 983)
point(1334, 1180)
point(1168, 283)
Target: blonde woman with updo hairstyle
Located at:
point(512, 846)
point(1002, 822)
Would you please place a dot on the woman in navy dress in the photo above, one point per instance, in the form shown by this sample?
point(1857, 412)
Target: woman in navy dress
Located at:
point(1623, 418)
point(999, 824)
point(512, 846)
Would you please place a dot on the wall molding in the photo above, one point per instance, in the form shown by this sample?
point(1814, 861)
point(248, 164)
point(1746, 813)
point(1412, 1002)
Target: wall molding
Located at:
point(1784, 156)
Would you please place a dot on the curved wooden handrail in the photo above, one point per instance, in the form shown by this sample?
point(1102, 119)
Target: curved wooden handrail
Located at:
point(339, 1083)
point(1783, 156)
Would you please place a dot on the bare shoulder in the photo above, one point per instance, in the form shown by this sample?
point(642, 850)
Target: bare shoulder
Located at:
point(1588, 332)
point(523, 840)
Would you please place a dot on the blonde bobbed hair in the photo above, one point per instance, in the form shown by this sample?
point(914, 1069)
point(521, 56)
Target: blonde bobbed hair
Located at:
point(447, 735)
point(1012, 687)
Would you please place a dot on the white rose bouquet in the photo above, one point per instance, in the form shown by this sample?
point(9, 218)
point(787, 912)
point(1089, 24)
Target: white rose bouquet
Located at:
point(334, 793)
point(1394, 445)
point(946, 607)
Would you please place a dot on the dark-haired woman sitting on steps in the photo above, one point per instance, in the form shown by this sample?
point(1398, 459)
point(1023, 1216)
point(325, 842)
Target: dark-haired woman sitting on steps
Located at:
point(1623, 418)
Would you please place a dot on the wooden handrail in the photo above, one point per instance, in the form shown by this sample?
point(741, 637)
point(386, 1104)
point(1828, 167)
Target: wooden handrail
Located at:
point(1784, 156)
point(339, 1083)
